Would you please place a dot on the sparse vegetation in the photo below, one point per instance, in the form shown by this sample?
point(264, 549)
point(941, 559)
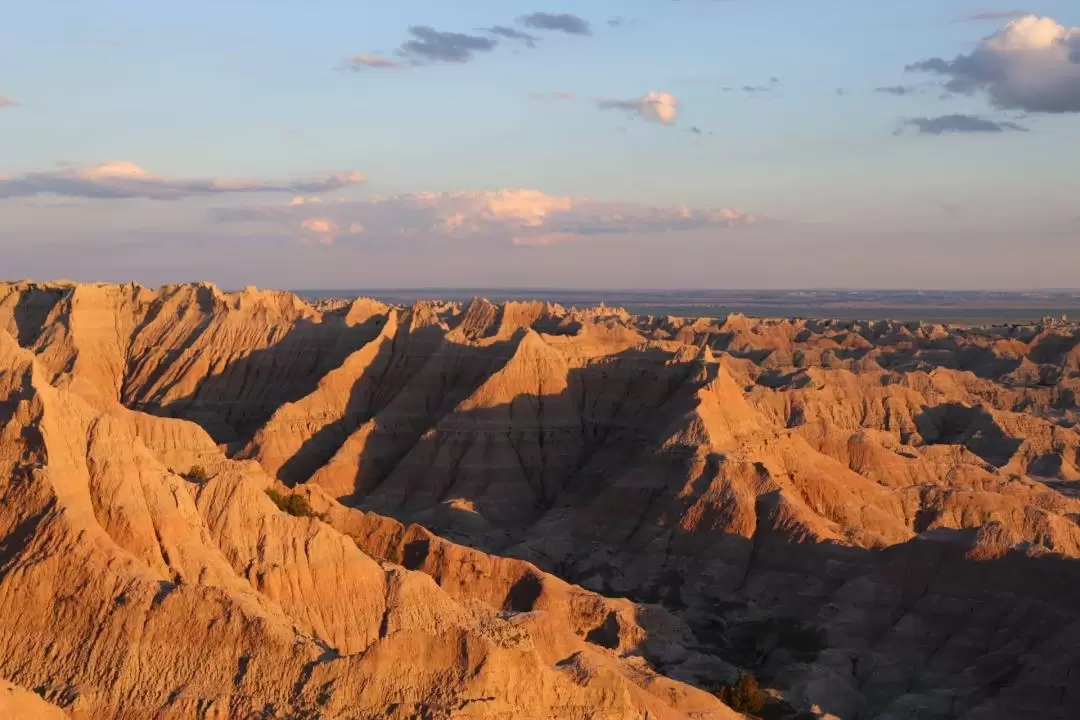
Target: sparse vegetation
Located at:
point(294, 504)
point(745, 696)
point(197, 474)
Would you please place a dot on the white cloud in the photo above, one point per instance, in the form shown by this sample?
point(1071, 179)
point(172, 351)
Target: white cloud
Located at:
point(122, 179)
point(520, 217)
point(655, 106)
point(1032, 64)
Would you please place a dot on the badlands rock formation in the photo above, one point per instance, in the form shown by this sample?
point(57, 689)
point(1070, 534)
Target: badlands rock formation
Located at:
point(528, 511)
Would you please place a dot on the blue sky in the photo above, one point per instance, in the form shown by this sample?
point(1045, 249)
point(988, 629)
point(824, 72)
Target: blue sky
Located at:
point(812, 178)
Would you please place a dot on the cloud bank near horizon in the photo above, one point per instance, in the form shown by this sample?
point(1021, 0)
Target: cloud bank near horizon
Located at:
point(526, 218)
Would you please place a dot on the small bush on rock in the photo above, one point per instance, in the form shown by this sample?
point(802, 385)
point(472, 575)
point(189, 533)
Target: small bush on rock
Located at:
point(197, 474)
point(745, 696)
point(294, 504)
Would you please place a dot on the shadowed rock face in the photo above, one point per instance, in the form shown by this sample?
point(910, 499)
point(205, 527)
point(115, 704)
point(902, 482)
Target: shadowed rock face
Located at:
point(529, 511)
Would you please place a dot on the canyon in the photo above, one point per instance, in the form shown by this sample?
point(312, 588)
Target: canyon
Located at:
point(249, 505)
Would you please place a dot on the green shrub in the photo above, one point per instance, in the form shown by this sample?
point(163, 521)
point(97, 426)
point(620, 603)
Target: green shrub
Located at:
point(196, 474)
point(294, 504)
point(745, 696)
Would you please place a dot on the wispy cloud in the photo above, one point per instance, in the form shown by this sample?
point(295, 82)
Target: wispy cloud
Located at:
point(773, 84)
point(428, 44)
point(753, 89)
point(119, 179)
point(655, 106)
point(959, 124)
point(1031, 65)
point(7, 102)
point(523, 217)
point(559, 22)
point(511, 34)
point(992, 15)
point(373, 62)
point(898, 90)
point(560, 95)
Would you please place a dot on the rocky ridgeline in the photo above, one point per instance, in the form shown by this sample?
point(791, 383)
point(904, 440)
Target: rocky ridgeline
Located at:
point(520, 510)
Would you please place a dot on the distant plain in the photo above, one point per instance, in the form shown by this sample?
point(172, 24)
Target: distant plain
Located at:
point(944, 306)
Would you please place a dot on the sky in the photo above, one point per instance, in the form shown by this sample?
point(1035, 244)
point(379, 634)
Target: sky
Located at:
point(657, 144)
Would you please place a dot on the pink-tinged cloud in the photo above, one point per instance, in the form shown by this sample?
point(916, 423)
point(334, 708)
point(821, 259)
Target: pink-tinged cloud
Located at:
point(660, 107)
point(120, 179)
point(325, 231)
point(521, 217)
point(321, 226)
point(7, 102)
point(373, 62)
